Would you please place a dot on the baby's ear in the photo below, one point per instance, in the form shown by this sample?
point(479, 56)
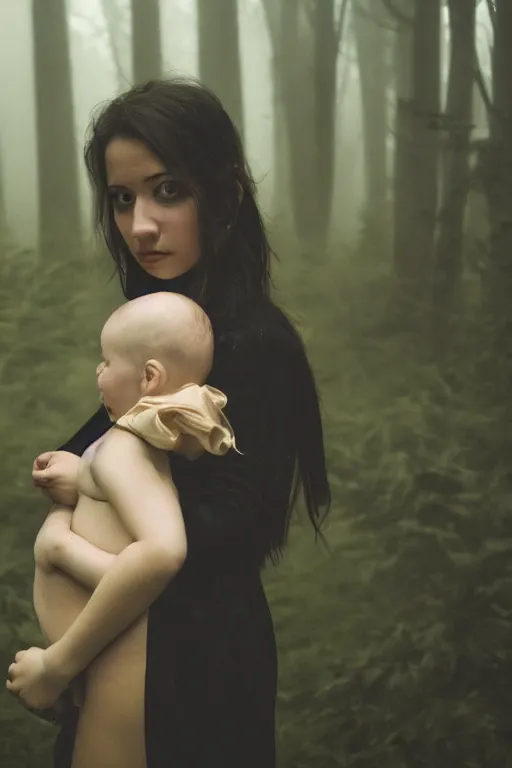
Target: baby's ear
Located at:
point(154, 379)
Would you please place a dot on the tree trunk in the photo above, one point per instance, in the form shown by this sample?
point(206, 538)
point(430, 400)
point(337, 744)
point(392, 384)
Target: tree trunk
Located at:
point(305, 56)
point(219, 54)
point(3, 210)
point(456, 170)
point(296, 89)
point(373, 78)
point(280, 203)
point(146, 44)
point(499, 182)
point(281, 206)
point(113, 20)
point(403, 198)
point(426, 74)
point(58, 195)
point(417, 157)
point(326, 37)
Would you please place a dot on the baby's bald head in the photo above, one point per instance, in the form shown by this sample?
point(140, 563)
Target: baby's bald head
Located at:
point(166, 327)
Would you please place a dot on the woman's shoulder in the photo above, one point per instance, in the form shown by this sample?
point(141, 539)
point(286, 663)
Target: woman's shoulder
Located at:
point(262, 353)
point(265, 330)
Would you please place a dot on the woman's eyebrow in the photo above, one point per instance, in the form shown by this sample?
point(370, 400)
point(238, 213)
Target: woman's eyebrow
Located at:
point(156, 176)
point(153, 177)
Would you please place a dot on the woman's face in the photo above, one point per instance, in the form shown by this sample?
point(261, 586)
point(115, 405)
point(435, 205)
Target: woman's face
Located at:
point(157, 222)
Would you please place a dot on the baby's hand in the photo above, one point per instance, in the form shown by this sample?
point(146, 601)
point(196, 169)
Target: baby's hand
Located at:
point(56, 473)
point(32, 679)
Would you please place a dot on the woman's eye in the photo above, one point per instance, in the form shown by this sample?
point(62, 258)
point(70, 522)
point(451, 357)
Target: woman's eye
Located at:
point(168, 191)
point(121, 199)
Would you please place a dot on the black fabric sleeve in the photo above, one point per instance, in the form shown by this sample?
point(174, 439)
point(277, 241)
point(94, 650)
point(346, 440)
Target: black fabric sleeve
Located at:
point(92, 430)
point(234, 500)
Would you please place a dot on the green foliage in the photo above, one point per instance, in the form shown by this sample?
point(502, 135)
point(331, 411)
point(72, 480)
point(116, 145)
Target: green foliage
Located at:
point(49, 324)
point(395, 644)
point(406, 658)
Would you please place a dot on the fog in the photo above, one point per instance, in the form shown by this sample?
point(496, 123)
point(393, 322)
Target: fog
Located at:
point(101, 67)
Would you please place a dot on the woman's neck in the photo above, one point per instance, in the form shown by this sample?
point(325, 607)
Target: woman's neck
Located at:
point(140, 283)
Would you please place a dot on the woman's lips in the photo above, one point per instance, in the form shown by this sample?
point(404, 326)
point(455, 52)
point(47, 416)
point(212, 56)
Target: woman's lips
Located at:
point(152, 256)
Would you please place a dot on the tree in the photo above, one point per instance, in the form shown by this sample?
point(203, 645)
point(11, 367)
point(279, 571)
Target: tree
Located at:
point(114, 19)
point(3, 211)
point(327, 33)
point(498, 180)
point(456, 170)
point(219, 54)
point(371, 45)
point(146, 45)
point(305, 39)
point(417, 73)
point(59, 206)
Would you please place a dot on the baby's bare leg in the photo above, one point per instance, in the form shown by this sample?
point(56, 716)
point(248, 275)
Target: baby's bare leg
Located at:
point(110, 731)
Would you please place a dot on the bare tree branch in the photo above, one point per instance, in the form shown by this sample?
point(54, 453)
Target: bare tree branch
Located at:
point(111, 23)
point(482, 87)
point(492, 13)
point(379, 19)
point(271, 8)
point(396, 13)
point(478, 74)
point(341, 23)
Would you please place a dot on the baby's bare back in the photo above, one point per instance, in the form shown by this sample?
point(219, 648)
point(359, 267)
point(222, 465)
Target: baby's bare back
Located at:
point(111, 724)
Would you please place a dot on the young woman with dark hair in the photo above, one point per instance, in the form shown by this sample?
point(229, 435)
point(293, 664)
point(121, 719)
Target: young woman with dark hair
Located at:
point(175, 202)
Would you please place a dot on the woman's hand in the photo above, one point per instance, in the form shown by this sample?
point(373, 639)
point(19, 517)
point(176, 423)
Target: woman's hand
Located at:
point(56, 473)
point(51, 539)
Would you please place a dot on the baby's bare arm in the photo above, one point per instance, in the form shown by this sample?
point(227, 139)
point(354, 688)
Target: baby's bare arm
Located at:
point(57, 546)
point(82, 560)
point(147, 504)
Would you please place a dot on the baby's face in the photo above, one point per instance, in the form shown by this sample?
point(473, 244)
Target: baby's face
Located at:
point(119, 380)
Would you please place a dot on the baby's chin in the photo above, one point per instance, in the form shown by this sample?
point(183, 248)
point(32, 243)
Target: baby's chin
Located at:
point(109, 411)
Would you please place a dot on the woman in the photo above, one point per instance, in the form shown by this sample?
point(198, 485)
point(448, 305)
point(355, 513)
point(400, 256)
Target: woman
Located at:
point(175, 202)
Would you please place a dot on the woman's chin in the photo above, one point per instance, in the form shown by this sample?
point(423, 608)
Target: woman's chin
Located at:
point(165, 269)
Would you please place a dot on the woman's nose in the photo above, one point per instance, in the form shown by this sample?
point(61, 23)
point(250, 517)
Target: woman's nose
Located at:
point(99, 369)
point(143, 223)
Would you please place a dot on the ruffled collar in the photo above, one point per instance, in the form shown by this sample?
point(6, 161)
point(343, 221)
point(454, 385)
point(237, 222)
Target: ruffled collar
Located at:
point(189, 421)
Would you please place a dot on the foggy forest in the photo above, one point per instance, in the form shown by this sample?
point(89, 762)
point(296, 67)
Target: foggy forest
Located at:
point(380, 136)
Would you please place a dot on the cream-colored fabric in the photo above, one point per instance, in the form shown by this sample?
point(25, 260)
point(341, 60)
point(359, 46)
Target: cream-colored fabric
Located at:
point(192, 413)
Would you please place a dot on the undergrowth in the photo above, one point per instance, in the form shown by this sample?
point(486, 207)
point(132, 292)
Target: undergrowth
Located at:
point(396, 643)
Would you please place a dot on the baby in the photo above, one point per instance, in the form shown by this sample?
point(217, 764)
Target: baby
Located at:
point(157, 352)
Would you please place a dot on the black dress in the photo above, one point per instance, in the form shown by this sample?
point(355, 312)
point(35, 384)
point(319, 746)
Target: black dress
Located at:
point(211, 653)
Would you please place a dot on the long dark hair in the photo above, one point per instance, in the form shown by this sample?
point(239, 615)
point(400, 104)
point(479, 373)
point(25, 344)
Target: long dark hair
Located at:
point(186, 127)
